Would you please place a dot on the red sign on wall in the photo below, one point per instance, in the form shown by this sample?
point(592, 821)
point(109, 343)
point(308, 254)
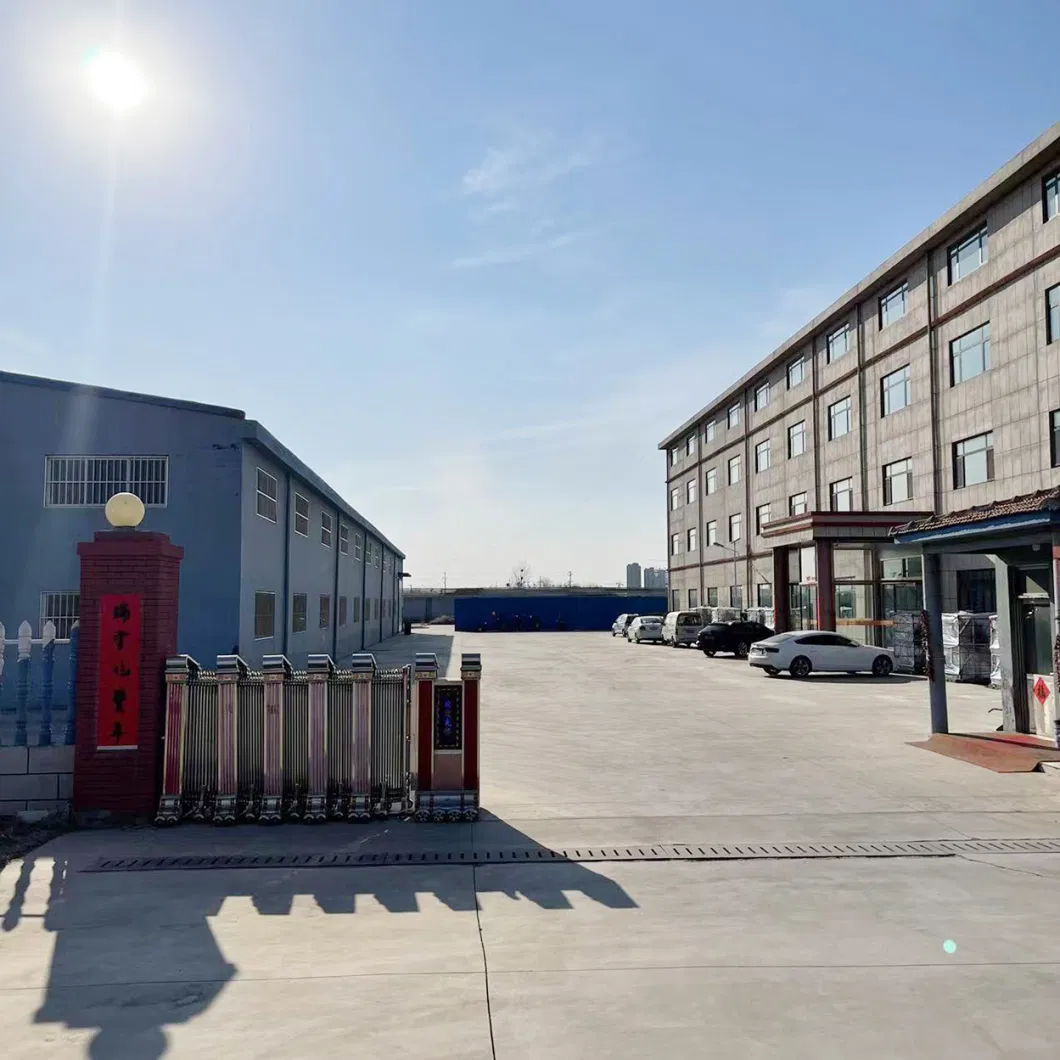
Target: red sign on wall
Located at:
point(1041, 690)
point(120, 633)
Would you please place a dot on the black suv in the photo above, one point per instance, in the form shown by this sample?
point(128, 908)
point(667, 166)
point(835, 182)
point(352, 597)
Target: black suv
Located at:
point(736, 637)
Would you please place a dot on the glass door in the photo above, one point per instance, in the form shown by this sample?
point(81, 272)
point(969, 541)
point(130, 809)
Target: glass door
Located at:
point(899, 597)
point(802, 601)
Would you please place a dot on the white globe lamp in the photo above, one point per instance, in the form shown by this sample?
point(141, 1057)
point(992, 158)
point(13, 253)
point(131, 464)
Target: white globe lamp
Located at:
point(124, 511)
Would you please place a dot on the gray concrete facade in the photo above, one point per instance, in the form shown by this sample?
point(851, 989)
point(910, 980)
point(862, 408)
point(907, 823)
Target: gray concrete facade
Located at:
point(1005, 288)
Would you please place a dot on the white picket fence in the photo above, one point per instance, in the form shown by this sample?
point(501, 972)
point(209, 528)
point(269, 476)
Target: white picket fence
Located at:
point(38, 692)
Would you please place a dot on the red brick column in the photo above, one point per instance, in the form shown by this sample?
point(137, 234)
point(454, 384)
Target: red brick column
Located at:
point(825, 585)
point(124, 781)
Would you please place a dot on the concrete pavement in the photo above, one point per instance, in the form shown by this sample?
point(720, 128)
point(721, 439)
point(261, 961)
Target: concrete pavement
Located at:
point(587, 740)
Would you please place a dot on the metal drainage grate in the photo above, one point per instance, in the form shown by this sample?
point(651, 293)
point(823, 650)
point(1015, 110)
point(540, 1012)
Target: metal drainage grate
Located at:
point(916, 848)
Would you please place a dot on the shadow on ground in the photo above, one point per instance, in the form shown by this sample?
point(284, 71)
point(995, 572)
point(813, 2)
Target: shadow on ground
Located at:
point(134, 952)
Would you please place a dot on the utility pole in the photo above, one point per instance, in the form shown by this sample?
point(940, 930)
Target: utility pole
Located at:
point(443, 581)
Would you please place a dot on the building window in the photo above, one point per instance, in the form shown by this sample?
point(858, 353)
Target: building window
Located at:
point(675, 544)
point(267, 494)
point(797, 504)
point(838, 344)
point(762, 397)
point(764, 594)
point(1054, 438)
point(762, 456)
point(895, 391)
point(841, 495)
point(1052, 314)
point(91, 481)
point(675, 493)
point(63, 609)
point(301, 515)
point(692, 539)
point(712, 596)
point(299, 610)
point(761, 517)
point(325, 611)
point(712, 532)
point(690, 445)
point(797, 439)
point(839, 419)
point(673, 455)
point(973, 460)
point(733, 417)
point(709, 432)
point(736, 596)
point(893, 305)
point(898, 481)
point(735, 526)
point(690, 491)
point(264, 615)
point(970, 355)
point(326, 524)
point(693, 598)
point(356, 609)
point(358, 546)
point(343, 606)
point(796, 371)
point(968, 255)
point(675, 599)
point(712, 480)
point(734, 469)
point(1051, 196)
point(344, 539)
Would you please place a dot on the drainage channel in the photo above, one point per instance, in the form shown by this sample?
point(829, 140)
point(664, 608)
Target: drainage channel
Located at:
point(917, 848)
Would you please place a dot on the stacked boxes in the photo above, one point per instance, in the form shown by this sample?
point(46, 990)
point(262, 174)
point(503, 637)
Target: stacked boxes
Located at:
point(966, 646)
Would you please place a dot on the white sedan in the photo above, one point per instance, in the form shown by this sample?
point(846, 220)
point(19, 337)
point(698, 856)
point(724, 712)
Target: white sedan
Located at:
point(645, 627)
point(802, 653)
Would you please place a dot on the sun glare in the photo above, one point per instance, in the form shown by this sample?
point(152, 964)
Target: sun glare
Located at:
point(116, 81)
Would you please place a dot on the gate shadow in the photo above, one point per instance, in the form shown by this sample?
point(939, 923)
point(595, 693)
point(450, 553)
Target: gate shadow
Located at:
point(134, 952)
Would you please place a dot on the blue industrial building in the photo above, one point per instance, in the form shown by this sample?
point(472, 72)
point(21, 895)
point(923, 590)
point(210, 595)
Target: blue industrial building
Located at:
point(554, 610)
point(275, 561)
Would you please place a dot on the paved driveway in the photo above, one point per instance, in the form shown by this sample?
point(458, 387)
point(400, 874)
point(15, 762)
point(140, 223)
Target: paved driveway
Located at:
point(587, 741)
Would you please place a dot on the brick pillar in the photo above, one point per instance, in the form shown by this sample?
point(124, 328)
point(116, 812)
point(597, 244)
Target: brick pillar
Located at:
point(135, 574)
point(471, 675)
point(421, 744)
point(781, 592)
point(825, 585)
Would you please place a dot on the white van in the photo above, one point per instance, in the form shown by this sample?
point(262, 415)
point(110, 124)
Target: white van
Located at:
point(680, 628)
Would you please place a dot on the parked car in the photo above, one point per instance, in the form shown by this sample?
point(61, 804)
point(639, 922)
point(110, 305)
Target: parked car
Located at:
point(679, 628)
point(736, 637)
point(802, 653)
point(645, 627)
point(621, 624)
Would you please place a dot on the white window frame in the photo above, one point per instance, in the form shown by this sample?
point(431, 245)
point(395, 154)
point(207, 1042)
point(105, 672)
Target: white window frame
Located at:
point(759, 521)
point(324, 611)
point(735, 520)
point(762, 396)
point(675, 493)
point(906, 474)
point(832, 344)
point(760, 464)
point(735, 463)
point(344, 538)
point(800, 364)
point(710, 431)
point(732, 417)
point(273, 498)
point(675, 544)
point(800, 434)
point(264, 636)
point(980, 236)
point(358, 545)
point(298, 515)
point(327, 528)
point(887, 389)
point(804, 503)
point(957, 355)
point(305, 612)
point(848, 413)
point(1051, 196)
point(712, 532)
point(710, 481)
point(690, 444)
point(690, 539)
point(833, 493)
point(690, 491)
point(64, 616)
point(901, 291)
point(120, 478)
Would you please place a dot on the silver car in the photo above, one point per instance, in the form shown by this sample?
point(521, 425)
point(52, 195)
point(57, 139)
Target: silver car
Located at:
point(645, 628)
point(621, 624)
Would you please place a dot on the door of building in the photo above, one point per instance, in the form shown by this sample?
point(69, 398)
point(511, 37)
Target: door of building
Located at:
point(802, 601)
point(898, 597)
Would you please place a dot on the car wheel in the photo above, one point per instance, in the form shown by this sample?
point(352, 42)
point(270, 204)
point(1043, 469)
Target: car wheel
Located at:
point(772, 671)
point(882, 666)
point(742, 649)
point(800, 666)
point(708, 652)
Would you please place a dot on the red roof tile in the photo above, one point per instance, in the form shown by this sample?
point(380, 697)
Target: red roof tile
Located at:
point(1042, 500)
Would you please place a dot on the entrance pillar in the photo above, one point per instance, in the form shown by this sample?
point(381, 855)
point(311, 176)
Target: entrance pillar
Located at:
point(936, 672)
point(781, 591)
point(825, 584)
point(1014, 714)
point(1055, 609)
point(130, 589)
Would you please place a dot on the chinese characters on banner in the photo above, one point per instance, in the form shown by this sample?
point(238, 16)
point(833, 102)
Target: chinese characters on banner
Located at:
point(118, 722)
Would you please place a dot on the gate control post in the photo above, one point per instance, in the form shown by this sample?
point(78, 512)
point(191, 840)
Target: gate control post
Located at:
point(130, 590)
point(421, 749)
point(180, 669)
point(320, 669)
point(360, 772)
point(230, 671)
point(471, 675)
point(277, 671)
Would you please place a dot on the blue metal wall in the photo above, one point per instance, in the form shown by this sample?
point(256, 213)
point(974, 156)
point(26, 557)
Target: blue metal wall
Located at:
point(582, 612)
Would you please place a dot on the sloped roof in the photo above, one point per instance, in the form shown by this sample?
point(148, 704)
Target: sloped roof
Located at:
point(1025, 504)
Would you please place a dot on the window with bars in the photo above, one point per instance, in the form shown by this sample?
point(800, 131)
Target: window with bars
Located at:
point(267, 494)
point(325, 611)
point(63, 609)
point(264, 615)
point(301, 515)
point(299, 609)
point(91, 481)
point(326, 525)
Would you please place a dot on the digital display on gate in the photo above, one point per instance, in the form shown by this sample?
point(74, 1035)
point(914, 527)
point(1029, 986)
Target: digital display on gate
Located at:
point(448, 717)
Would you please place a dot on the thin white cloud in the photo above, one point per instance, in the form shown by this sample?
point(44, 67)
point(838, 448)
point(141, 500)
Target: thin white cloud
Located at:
point(528, 162)
point(518, 252)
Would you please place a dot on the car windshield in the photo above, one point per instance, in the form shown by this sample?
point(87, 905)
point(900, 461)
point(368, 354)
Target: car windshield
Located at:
point(688, 620)
point(651, 618)
point(715, 627)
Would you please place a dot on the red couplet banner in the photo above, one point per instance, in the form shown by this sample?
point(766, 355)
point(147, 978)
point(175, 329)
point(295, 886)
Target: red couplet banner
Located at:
point(120, 635)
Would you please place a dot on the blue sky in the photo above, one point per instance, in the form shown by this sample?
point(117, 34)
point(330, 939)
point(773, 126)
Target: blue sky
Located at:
point(472, 259)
